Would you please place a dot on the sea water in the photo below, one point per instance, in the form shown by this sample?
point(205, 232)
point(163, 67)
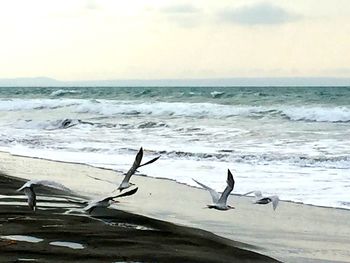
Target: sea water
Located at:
point(289, 141)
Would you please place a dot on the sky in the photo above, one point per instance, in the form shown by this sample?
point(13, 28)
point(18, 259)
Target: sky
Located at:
point(162, 39)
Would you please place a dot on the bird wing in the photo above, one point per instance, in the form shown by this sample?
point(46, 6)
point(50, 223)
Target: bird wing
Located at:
point(275, 201)
point(257, 194)
point(151, 161)
point(27, 184)
point(230, 184)
point(31, 197)
point(91, 205)
point(134, 166)
point(52, 184)
point(214, 195)
point(131, 192)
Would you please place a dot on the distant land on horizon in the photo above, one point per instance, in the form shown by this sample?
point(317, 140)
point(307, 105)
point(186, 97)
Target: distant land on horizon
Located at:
point(210, 82)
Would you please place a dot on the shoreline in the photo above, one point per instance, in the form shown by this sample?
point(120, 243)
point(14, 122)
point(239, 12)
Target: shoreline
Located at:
point(162, 178)
point(293, 233)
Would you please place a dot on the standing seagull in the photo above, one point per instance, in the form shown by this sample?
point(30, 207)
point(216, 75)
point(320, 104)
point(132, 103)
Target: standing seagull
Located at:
point(137, 164)
point(28, 189)
point(263, 200)
point(219, 202)
point(107, 201)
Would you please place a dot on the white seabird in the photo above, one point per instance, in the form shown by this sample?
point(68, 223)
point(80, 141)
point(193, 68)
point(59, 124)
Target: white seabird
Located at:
point(137, 164)
point(263, 200)
point(107, 201)
point(220, 201)
point(28, 189)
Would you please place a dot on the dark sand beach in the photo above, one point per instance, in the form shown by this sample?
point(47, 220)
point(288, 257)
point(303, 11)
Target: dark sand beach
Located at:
point(110, 235)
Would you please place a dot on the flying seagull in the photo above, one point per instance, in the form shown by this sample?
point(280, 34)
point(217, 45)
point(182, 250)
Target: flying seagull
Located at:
point(219, 201)
point(263, 200)
point(28, 189)
point(137, 164)
point(257, 194)
point(107, 201)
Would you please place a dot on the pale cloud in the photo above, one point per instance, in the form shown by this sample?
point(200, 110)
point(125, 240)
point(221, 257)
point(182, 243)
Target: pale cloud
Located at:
point(183, 15)
point(180, 9)
point(258, 14)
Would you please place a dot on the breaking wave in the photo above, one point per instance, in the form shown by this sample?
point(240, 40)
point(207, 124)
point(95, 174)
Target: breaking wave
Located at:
point(61, 92)
point(339, 162)
point(181, 109)
point(200, 110)
point(217, 94)
point(35, 104)
point(318, 114)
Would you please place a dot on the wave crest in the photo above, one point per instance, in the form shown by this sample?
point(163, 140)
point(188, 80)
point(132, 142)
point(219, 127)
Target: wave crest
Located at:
point(318, 114)
point(61, 92)
point(109, 108)
point(338, 162)
point(35, 104)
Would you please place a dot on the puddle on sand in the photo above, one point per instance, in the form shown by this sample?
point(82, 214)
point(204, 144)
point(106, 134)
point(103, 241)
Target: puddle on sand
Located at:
point(23, 238)
point(42, 205)
point(48, 226)
point(138, 227)
point(42, 198)
point(72, 245)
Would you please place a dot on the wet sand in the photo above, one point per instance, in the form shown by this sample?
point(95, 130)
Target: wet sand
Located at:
point(292, 233)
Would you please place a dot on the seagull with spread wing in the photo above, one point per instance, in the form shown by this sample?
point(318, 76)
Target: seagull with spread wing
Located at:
point(220, 201)
point(28, 189)
point(263, 200)
point(137, 164)
point(107, 201)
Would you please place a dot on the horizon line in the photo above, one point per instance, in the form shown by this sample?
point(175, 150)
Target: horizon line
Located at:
point(178, 82)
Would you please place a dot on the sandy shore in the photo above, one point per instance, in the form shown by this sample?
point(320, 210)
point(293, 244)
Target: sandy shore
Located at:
point(52, 235)
point(292, 233)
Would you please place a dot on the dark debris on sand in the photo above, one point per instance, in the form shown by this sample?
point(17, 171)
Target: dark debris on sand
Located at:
point(109, 235)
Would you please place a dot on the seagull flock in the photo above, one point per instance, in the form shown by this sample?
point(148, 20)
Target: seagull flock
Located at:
point(219, 200)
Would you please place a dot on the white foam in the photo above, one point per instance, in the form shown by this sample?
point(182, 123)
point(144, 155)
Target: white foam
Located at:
point(109, 108)
point(180, 109)
point(216, 94)
point(32, 104)
point(320, 114)
point(61, 92)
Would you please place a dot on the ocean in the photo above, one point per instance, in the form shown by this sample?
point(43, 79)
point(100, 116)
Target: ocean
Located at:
point(289, 141)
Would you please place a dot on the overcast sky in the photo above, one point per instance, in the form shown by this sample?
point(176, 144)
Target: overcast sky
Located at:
point(156, 39)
